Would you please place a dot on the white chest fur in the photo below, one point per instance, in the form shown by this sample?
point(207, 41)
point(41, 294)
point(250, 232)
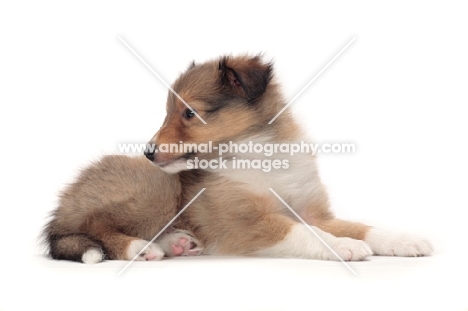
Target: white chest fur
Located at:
point(296, 184)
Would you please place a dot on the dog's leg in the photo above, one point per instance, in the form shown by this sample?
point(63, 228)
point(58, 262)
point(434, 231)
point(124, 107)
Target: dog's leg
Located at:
point(251, 226)
point(301, 242)
point(381, 242)
point(123, 247)
point(119, 246)
point(342, 228)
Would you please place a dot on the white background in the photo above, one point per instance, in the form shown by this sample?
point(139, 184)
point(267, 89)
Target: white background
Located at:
point(70, 91)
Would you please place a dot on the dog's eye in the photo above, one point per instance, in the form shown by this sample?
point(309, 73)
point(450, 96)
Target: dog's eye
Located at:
point(189, 113)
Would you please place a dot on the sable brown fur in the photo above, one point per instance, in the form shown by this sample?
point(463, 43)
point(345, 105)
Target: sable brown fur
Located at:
point(114, 201)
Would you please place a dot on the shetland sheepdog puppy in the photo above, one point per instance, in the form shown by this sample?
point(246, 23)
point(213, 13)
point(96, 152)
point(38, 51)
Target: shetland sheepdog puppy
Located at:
point(249, 203)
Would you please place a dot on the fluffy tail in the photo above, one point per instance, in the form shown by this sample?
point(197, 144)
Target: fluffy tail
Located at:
point(72, 246)
point(76, 247)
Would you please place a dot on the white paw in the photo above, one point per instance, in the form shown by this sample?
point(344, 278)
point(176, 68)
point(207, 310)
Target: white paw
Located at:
point(152, 252)
point(348, 249)
point(180, 243)
point(312, 243)
point(388, 243)
point(92, 255)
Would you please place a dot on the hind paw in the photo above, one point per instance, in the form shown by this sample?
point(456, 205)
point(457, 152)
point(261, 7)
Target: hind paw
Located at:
point(152, 252)
point(180, 243)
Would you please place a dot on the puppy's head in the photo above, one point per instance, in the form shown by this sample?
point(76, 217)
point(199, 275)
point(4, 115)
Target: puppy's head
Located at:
point(228, 99)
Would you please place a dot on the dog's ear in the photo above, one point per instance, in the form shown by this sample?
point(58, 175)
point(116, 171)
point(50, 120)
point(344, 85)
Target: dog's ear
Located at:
point(247, 77)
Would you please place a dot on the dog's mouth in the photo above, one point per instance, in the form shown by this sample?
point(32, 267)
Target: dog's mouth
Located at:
point(178, 159)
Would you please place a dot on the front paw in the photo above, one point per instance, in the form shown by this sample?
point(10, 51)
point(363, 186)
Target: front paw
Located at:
point(388, 243)
point(348, 249)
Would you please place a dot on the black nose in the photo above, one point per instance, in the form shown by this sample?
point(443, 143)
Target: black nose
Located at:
point(149, 153)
